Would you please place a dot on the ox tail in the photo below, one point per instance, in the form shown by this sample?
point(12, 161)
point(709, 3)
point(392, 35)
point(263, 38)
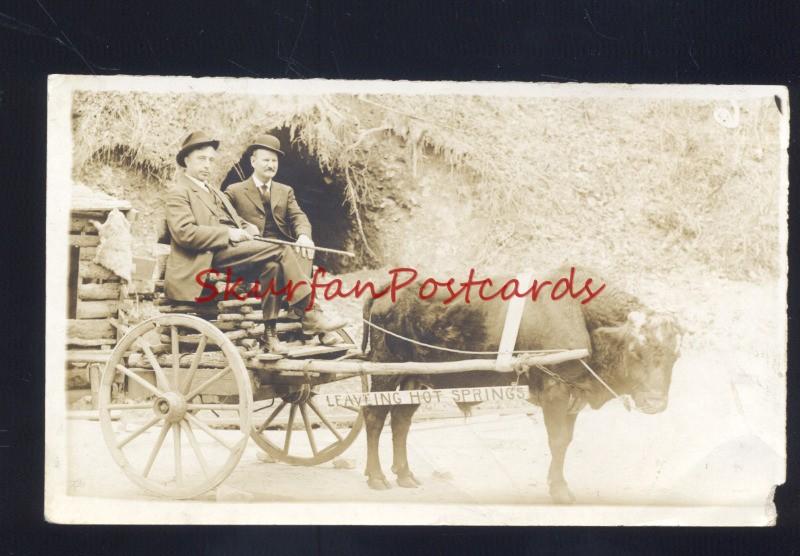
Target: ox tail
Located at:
point(367, 315)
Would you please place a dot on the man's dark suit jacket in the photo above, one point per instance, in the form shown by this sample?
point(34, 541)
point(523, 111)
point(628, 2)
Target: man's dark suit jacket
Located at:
point(197, 229)
point(289, 217)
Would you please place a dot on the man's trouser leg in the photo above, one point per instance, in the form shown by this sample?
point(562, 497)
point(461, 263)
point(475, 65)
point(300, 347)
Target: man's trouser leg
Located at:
point(306, 265)
point(270, 262)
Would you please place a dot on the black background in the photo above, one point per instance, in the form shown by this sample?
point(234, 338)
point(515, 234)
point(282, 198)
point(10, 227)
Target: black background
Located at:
point(645, 41)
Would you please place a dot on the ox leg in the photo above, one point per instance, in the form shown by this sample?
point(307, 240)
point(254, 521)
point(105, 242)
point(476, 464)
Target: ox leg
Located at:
point(560, 426)
point(374, 419)
point(401, 423)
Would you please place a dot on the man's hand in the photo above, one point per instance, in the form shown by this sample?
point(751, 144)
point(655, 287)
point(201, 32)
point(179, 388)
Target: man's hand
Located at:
point(252, 229)
point(235, 235)
point(302, 242)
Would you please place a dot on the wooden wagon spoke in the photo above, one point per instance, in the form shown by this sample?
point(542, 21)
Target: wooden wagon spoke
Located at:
point(321, 448)
point(160, 370)
point(142, 382)
point(176, 442)
point(201, 347)
point(289, 429)
point(176, 356)
point(208, 430)
point(160, 374)
point(324, 420)
point(272, 416)
point(139, 431)
point(156, 447)
point(124, 406)
point(195, 446)
point(208, 382)
point(213, 406)
point(309, 430)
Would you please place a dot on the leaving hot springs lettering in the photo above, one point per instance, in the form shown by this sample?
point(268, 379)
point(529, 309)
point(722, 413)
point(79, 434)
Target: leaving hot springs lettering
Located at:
point(416, 397)
point(489, 394)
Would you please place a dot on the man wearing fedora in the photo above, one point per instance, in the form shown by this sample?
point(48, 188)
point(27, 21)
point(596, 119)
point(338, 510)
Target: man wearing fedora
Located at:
point(207, 232)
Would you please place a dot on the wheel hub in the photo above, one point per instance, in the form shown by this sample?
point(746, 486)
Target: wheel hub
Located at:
point(171, 406)
point(299, 396)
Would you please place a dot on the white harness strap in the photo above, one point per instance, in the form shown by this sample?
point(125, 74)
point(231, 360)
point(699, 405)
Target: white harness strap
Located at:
point(516, 304)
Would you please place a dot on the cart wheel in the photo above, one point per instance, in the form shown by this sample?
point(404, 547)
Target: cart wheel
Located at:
point(173, 391)
point(328, 431)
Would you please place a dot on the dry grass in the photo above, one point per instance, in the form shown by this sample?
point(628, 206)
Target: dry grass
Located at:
point(645, 184)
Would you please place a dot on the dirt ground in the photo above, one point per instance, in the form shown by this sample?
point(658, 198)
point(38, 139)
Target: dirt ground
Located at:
point(720, 441)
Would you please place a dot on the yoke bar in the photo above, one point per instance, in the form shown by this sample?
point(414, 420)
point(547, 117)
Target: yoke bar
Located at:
point(417, 368)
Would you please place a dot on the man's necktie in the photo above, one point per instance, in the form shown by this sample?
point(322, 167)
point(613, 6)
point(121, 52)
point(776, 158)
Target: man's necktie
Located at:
point(217, 200)
point(227, 218)
point(264, 195)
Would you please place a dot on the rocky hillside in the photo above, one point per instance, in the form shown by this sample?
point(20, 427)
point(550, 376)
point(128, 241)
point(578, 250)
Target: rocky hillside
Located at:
point(443, 183)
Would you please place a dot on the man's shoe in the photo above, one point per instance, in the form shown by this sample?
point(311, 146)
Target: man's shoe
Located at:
point(315, 322)
point(271, 342)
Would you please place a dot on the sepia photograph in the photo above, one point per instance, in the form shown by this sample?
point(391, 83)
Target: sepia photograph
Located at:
point(430, 303)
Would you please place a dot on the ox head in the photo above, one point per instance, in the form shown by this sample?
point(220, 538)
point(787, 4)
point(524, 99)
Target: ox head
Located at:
point(651, 344)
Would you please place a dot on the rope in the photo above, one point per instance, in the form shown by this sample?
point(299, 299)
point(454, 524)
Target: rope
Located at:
point(551, 374)
point(603, 382)
point(452, 350)
point(540, 367)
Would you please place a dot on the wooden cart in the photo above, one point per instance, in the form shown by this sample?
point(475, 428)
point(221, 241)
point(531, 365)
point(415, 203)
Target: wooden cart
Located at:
point(176, 390)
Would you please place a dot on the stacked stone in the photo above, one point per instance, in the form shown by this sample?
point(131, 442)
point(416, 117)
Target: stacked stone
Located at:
point(242, 322)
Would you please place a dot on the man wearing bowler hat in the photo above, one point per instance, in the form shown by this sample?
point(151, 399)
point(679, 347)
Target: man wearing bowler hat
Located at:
point(207, 232)
point(269, 205)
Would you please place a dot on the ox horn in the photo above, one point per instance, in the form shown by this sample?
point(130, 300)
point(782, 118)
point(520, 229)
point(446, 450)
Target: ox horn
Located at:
point(637, 319)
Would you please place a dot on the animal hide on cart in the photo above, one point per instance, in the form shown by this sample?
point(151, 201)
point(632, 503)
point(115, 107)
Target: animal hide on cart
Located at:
point(115, 251)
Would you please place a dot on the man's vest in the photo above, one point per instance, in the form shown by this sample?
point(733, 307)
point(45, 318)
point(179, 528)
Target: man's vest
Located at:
point(270, 226)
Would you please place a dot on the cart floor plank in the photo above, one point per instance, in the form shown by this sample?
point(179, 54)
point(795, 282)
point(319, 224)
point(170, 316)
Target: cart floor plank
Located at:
point(311, 351)
point(268, 357)
point(89, 355)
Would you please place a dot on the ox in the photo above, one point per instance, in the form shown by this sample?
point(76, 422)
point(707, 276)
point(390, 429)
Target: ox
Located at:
point(632, 348)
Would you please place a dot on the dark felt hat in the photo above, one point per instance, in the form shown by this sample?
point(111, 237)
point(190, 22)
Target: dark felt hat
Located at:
point(195, 140)
point(269, 142)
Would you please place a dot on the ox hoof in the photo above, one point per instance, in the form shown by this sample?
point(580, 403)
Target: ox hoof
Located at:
point(408, 481)
point(561, 494)
point(378, 484)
